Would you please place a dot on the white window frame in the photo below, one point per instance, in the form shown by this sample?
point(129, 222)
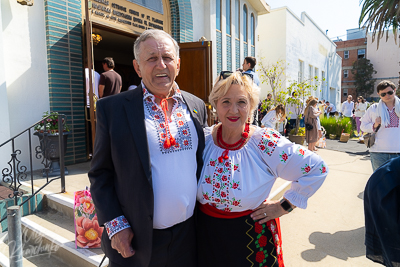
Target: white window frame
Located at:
point(346, 54)
point(345, 73)
point(301, 71)
point(345, 92)
point(358, 53)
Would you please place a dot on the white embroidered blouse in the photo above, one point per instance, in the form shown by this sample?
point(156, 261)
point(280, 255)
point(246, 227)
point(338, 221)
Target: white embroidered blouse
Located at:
point(244, 180)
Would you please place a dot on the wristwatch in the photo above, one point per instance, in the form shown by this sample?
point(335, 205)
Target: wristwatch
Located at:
point(286, 205)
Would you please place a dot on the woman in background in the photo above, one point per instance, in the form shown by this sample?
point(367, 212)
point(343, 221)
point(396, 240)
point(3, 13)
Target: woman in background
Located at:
point(360, 108)
point(311, 114)
point(274, 116)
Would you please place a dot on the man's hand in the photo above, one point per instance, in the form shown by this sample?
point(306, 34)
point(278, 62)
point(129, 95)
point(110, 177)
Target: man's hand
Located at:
point(377, 122)
point(267, 211)
point(122, 242)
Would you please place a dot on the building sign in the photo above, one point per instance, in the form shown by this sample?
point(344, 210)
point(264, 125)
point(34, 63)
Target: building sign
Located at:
point(129, 17)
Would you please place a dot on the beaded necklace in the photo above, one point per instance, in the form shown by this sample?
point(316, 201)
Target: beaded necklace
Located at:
point(239, 144)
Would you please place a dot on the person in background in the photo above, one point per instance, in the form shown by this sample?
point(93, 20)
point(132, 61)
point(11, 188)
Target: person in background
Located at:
point(273, 117)
point(383, 118)
point(330, 109)
point(381, 211)
point(236, 226)
point(292, 111)
point(248, 66)
point(347, 107)
point(263, 107)
point(110, 82)
point(359, 112)
point(311, 115)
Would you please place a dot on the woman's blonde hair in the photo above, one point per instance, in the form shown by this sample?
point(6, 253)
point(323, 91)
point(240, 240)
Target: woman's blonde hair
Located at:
point(222, 86)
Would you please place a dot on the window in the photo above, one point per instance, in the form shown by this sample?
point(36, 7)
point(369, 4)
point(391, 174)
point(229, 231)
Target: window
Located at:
point(361, 53)
point(301, 70)
point(245, 36)
point(310, 72)
point(345, 92)
point(346, 54)
point(252, 29)
point(237, 21)
point(323, 78)
point(316, 72)
point(228, 17)
point(218, 14)
point(345, 74)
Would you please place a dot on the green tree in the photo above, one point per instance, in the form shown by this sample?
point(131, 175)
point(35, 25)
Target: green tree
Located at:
point(379, 16)
point(363, 70)
point(274, 75)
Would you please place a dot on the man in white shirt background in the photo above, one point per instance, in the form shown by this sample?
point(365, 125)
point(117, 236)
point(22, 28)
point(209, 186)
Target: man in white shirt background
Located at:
point(348, 107)
point(331, 109)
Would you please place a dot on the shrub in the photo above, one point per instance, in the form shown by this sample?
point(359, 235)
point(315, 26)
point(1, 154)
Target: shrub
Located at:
point(336, 126)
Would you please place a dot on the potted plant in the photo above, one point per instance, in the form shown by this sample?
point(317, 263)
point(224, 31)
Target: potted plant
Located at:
point(298, 136)
point(47, 130)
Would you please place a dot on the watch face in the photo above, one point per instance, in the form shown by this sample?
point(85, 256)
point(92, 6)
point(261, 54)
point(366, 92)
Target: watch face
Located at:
point(285, 205)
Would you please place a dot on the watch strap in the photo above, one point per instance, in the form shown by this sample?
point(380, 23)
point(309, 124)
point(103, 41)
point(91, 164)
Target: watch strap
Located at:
point(286, 205)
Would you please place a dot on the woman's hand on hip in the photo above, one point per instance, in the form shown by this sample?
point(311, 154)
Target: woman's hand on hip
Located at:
point(268, 210)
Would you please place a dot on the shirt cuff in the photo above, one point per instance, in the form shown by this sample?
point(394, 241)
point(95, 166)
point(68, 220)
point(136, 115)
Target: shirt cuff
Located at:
point(117, 225)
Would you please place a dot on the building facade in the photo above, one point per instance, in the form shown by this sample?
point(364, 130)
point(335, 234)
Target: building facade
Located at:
point(304, 47)
point(354, 48)
point(43, 51)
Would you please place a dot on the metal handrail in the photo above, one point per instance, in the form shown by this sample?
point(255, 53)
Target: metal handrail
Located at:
point(17, 173)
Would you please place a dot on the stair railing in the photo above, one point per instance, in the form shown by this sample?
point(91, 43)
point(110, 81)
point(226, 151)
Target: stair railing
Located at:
point(16, 173)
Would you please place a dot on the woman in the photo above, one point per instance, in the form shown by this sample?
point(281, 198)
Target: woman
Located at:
point(274, 116)
point(241, 162)
point(360, 108)
point(311, 114)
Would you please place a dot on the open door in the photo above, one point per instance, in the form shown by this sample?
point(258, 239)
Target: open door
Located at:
point(195, 75)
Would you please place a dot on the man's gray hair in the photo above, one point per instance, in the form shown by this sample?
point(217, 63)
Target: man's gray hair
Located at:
point(155, 34)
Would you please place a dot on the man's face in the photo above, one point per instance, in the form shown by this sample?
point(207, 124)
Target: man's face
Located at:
point(269, 97)
point(104, 66)
point(158, 65)
point(245, 65)
point(388, 99)
point(349, 98)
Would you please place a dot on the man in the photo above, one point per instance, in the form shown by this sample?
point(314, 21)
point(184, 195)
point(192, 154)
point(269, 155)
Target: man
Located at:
point(348, 107)
point(248, 66)
point(263, 107)
point(381, 209)
point(110, 81)
point(330, 109)
point(147, 156)
point(383, 118)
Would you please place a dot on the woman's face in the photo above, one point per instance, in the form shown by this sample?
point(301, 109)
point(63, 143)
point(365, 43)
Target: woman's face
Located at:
point(233, 108)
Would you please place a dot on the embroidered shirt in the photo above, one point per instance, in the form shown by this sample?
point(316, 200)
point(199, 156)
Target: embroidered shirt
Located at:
point(244, 180)
point(173, 169)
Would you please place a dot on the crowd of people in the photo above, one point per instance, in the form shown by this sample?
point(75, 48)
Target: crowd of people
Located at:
point(171, 191)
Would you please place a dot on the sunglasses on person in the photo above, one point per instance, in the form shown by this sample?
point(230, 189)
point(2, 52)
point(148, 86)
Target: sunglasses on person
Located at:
point(225, 74)
point(384, 94)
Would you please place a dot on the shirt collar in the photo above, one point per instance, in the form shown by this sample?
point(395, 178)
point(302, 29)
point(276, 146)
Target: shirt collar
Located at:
point(176, 96)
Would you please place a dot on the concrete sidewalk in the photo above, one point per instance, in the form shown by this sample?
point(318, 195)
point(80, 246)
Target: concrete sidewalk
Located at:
point(330, 232)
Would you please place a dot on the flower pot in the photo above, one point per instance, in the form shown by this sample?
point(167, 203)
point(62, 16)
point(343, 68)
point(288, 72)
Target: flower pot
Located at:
point(297, 139)
point(332, 136)
point(49, 149)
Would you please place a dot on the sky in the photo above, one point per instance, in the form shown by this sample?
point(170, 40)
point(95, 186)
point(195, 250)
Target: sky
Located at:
point(336, 16)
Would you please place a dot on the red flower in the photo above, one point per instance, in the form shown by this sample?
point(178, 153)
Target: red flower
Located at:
point(270, 143)
point(88, 232)
point(179, 114)
point(235, 203)
point(235, 186)
point(323, 169)
point(262, 241)
point(258, 228)
point(220, 170)
point(156, 117)
point(124, 220)
point(212, 163)
point(180, 123)
point(185, 132)
point(268, 136)
point(285, 157)
point(307, 169)
point(227, 210)
point(301, 151)
point(208, 180)
point(162, 125)
point(154, 108)
point(88, 207)
point(275, 135)
point(227, 164)
point(206, 197)
point(214, 205)
point(260, 256)
point(217, 185)
point(163, 135)
point(235, 167)
point(224, 178)
point(223, 194)
point(186, 142)
point(114, 223)
point(217, 200)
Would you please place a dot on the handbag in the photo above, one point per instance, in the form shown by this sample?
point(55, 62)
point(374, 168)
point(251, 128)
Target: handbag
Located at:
point(369, 138)
point(309, 127)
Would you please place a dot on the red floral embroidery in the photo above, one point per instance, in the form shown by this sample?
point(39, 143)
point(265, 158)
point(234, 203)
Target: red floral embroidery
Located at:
point(260, 256)
point(154, 108)
point(180, 123)
point(156, 117)
point(227, 209)
point(235, 185)
point(258, 228)
point(269, 141)
point(114, 223)
point(306, 169)
point(262, 147)
point(220, 170)
point(186, 142)
point(206, 197)
point(301, 151)
point(179, 115)
point(124, 220)
point(284, 157)
point(217, 185)
point(235, 167)
point(262, 241)
point(323, 169)
point(223, 194)
point(271, 144)
point(162, 125)
point(208, 180)
point(235, 203)
point(185, 132)
point(227, 164)
point(212, 163)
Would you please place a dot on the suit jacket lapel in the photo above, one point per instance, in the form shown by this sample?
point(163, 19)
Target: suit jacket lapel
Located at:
point(135, 112)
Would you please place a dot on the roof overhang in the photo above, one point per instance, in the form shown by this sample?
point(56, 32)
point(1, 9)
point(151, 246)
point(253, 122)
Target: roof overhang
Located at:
point(260, 6)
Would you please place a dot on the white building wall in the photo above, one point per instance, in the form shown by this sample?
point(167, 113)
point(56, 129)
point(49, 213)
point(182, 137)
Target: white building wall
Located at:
point(299, 39)
point(25, 67)
point(386, 59)
point(201, 9)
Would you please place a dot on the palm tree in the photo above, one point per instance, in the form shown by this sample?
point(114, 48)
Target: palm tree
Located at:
point(380, 15)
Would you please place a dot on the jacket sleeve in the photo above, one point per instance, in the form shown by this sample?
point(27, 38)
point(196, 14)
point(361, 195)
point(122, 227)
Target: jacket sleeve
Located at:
point(101, 174)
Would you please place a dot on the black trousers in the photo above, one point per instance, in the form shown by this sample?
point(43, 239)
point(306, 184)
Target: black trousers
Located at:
point(173, 247)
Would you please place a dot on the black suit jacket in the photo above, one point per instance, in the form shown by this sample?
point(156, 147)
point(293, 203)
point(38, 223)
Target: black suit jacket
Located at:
point(120, 175)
